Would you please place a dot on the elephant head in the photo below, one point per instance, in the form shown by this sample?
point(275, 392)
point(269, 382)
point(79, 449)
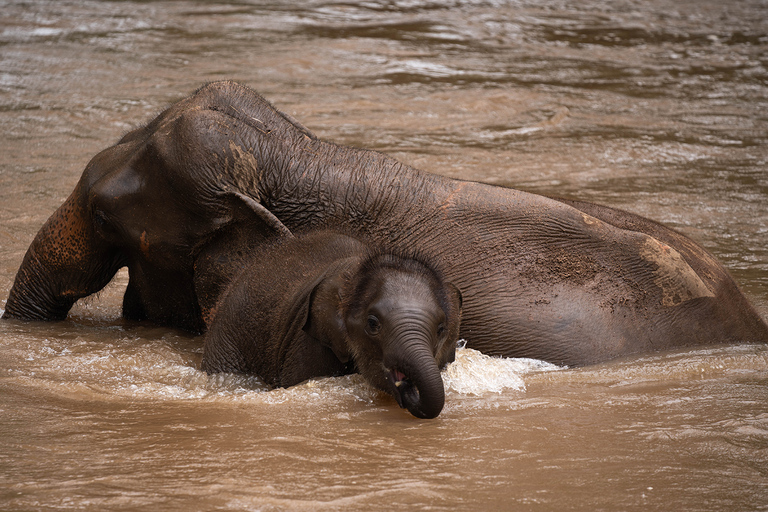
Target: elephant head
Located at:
point(168, 198)
point(402, 323)
point(124, 213)
point(67, 259)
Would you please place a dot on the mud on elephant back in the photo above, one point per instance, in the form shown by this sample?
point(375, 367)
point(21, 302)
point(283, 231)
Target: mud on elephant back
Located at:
point(207, 181)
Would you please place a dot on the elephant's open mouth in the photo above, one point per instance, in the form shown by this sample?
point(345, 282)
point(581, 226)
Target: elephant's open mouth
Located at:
point(402, 388)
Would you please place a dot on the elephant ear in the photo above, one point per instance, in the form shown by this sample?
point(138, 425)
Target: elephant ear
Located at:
point(262, 219)
point(456, 293)
point(222, 255)
point(323, 318)
point(453, 315)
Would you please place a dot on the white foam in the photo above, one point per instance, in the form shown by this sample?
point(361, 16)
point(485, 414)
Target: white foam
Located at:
point(474, 373)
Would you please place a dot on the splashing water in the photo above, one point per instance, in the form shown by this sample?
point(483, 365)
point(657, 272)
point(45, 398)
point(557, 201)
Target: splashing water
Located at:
point(166, 369)
point(474, 373)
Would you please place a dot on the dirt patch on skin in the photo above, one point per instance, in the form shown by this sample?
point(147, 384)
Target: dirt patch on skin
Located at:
point(247, 174)
point(678, 281)
point(561, 264)
point(576, 268)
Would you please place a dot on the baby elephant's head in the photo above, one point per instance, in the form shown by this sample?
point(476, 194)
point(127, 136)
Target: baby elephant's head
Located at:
point(402, 323)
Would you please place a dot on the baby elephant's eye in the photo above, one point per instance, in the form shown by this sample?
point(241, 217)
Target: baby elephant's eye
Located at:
point(440, 329)
point(373, 326)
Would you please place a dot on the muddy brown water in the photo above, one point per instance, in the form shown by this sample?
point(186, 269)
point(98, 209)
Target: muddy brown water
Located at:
point(658, 107)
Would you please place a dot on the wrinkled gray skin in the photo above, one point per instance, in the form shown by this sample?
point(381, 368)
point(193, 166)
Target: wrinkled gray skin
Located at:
point(180, 200)
point(325, 305)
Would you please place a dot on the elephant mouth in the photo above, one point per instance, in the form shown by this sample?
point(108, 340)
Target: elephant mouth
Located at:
point(404, 391)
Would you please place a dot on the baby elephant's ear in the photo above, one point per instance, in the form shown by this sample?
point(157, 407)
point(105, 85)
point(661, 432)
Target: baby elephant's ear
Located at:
point(457, 294)
point(323, 318)
point(454, 314)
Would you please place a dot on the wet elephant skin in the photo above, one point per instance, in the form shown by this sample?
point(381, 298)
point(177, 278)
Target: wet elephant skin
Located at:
point(326, 305)
point(560, 280)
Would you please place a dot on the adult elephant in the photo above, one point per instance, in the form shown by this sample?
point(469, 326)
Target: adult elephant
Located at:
point(211, 177)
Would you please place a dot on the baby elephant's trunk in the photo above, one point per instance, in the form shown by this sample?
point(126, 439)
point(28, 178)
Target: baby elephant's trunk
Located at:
point(415, 379)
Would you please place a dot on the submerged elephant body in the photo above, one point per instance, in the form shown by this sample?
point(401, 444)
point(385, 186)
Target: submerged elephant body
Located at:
point(210, 178)
point(325, 305)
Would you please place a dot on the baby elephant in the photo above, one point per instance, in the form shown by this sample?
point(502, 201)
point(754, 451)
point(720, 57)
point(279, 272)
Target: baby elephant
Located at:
point(326, 305)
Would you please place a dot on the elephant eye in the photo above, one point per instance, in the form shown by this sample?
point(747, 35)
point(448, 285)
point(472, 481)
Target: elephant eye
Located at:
point(440, 329)
point(100, 218)
point(102, 223)
point(373, 325)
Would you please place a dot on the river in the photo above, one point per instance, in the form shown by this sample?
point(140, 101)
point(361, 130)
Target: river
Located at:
point(659, 107)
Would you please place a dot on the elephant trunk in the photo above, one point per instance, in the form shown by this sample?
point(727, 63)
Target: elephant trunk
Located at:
point(62, 264)
point(414, 378)
point(34, 295)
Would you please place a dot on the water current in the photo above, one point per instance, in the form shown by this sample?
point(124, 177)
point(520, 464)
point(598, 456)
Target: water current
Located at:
point(658, 107)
